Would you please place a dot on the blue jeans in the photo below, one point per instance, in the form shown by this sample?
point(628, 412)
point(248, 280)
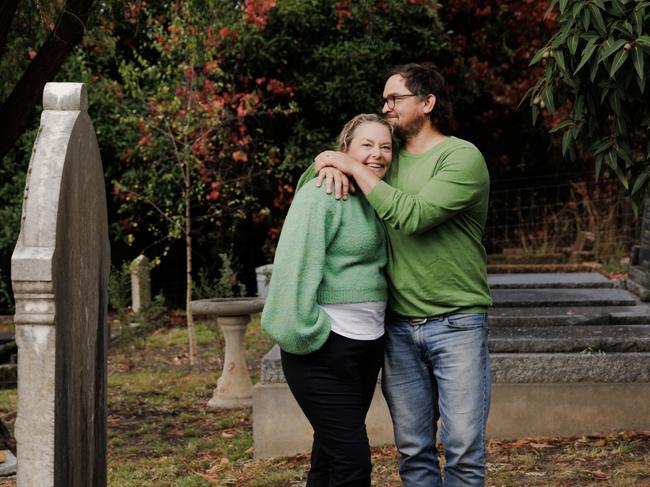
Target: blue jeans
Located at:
point(439, 370)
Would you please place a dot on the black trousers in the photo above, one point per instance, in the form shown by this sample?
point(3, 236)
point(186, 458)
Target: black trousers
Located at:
point(334, 388)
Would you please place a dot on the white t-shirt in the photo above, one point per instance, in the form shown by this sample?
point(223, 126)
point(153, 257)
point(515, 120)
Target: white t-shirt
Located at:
point(359, 321)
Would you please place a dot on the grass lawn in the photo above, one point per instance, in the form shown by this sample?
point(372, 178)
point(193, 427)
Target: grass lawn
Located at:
point(161, 433)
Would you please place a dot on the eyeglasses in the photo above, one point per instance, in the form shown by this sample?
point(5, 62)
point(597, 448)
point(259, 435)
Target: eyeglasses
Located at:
point(391, 100)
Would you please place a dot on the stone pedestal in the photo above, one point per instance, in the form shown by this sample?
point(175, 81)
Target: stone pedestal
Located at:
point(234, 387)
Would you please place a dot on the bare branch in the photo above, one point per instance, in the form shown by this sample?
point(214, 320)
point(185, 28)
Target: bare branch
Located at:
point(17, 109)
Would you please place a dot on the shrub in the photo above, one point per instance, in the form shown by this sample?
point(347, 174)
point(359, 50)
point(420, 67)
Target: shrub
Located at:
point(593, 86)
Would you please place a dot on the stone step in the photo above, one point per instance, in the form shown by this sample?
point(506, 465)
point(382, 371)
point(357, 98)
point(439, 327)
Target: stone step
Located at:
point(562, 297)
point(540, 280)
point(521, 368)
point(608, 338)
point(518, 368)
point(569, 316)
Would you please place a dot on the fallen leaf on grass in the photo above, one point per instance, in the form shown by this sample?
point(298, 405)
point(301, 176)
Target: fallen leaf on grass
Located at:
point(535, 474)
point(517, 444)
point(227, 435)
point(217, 467)
point(539, 446)
point(600, 475)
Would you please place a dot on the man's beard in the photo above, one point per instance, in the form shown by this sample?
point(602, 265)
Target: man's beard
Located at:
point(410, 129)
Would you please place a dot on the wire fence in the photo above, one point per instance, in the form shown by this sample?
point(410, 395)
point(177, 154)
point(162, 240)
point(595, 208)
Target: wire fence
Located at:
point(552, 218)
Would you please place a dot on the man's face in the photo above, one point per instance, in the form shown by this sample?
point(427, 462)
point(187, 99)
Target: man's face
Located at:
point(407, 115)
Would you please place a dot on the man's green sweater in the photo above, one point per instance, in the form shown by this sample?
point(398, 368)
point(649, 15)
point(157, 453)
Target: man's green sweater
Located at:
point(434, 206)
point(329, 252)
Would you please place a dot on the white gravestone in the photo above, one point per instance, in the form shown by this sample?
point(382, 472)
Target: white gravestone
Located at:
point(140, 283)
point(60, 278)
point(263, 275)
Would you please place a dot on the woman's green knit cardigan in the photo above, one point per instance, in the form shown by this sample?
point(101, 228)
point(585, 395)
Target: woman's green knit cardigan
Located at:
point(329, 252)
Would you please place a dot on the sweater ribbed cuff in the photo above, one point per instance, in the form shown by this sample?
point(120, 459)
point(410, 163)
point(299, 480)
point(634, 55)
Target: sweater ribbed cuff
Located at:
point(346, 296)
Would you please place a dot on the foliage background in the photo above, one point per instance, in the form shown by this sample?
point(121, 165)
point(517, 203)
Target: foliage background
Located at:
point(594, 85)
point(288, 74)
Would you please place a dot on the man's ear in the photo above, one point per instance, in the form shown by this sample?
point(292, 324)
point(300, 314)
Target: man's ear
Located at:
point(429, 104)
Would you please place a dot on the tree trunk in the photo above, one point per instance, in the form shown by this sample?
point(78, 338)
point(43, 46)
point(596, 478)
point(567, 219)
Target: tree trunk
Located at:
point(17, 109)
point(188, 257)
point(7, 12)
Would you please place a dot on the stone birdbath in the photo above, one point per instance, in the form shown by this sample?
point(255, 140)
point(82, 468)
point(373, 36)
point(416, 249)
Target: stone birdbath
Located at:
point(234, 387)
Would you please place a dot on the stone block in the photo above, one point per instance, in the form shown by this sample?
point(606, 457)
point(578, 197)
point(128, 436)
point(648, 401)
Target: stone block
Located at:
point(281, 429)
point(549, 316)
point(516, 411)
point(569, 316)
point(562, 297)
point(272, 367)
point(567, 409)
point(558, 339)
point(541, 280)
point(638, 282)
point(547, 368)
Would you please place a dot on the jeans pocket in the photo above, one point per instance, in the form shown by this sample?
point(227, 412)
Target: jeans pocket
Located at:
point(467, 321)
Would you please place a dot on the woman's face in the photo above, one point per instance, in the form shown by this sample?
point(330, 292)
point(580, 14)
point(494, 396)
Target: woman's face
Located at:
point(372, 145)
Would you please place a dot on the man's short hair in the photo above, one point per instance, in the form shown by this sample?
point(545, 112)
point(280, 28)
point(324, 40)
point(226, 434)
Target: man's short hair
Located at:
point(425, 79)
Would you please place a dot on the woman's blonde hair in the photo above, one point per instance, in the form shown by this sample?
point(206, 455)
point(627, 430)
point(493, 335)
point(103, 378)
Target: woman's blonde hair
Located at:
point(347, 133)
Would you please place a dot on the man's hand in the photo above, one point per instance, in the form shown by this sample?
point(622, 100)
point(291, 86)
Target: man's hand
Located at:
point(337, 159)
point(337, 180)
point(326, 166)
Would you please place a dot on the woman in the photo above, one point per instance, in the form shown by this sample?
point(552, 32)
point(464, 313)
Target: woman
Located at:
point(325, 308)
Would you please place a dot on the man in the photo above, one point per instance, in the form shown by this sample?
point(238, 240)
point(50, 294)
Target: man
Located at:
point(434, 205)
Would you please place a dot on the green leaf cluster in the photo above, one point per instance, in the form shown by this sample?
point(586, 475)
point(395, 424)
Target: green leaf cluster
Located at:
point(594, 84)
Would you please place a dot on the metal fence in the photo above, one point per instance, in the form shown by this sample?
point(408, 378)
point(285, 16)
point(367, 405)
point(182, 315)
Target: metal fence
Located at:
point(550, 218)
